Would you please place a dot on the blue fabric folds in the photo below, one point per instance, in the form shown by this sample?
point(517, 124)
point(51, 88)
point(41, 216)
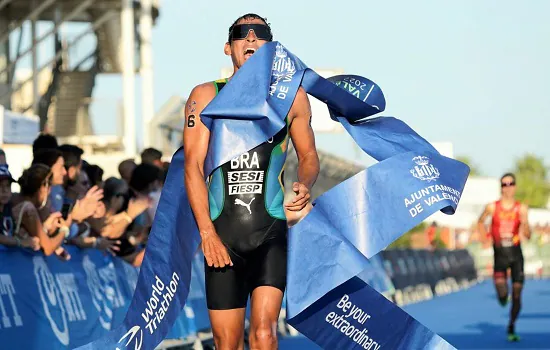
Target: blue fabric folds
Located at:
point(326, 298)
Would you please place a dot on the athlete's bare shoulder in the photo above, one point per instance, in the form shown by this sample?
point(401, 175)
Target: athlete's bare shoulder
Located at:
point(202, 93)
point(487, 211)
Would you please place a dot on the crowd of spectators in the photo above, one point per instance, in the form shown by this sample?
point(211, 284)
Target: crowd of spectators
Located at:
point(64, 200)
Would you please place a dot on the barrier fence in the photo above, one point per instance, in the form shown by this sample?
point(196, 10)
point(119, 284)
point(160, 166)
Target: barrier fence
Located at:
point(419, 274)
point(48, 303)
point(66, 304)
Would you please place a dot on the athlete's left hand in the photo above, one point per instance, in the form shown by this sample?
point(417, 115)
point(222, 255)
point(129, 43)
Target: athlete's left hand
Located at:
point(302, 197)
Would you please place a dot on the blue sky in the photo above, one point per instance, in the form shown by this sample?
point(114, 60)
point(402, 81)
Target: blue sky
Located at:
point(474, 73)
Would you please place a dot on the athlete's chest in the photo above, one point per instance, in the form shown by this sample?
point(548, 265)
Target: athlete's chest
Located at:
point(506, 214)
point(258, 158)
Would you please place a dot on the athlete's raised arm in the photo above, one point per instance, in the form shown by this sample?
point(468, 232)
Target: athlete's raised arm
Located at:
point(196, 137)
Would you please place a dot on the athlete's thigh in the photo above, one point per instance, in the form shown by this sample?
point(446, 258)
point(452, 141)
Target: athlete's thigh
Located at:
point(500, 267)
point(227, 288)
point(268, 263)
point(265, 307)
point(268, 281)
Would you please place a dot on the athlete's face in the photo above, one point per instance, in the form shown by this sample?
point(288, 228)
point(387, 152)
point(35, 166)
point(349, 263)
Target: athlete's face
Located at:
point(508, 186)
point(243, 49)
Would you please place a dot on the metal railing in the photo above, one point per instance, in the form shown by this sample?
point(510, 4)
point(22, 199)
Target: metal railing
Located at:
point(100, 21)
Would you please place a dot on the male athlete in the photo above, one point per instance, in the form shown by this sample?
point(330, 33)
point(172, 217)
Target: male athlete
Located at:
point(508, 221)
point(240, 212)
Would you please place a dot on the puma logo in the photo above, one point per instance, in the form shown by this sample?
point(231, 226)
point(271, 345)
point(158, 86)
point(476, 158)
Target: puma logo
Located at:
point(241, 203)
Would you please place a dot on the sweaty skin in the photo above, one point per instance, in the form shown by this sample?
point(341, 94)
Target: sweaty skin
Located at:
point(196, 138)
point(264, 267)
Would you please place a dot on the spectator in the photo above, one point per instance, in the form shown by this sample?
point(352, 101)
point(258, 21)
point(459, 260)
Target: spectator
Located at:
point(80, 188)
point(126, 168)
point(95, 175)
point(79, 211)
point(116, 220)
point(146, 181)
point(35, 186)
point(3, 157)
point(42, 142)
point(53, 158)
point(118, 223)
point(73, 162)
point(152, 156)
point(88, 238)
point(7, 237)
point(72, 155)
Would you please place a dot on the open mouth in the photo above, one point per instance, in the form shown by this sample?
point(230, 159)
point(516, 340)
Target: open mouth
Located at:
point(249, 52)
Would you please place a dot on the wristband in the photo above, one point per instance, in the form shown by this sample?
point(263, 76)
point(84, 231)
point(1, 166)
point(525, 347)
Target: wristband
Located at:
point(65, 231)
point(18, 241)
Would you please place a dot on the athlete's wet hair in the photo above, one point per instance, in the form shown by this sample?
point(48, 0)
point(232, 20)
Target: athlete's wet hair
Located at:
point(508, 174)
point(247, 16)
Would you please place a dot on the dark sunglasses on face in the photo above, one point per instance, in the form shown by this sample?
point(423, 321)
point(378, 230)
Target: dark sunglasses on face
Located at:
point(240, 32)
point(507, 184)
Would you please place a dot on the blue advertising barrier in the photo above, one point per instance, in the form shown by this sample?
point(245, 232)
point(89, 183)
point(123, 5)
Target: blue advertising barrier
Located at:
point(46, 303)
point(419, 274)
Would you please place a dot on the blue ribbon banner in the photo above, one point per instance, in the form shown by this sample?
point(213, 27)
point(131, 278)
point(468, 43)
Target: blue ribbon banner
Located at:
point(327, 300)
point(46, 303)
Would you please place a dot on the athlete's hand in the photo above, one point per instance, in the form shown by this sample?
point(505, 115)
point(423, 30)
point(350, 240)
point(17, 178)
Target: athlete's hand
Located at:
point(302, 197)
point(213, 249)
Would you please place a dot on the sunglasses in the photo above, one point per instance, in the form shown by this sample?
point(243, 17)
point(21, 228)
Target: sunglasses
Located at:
point(241, 31)
point(508, 184)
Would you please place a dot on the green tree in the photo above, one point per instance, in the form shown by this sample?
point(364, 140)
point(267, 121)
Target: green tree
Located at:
point(474, 169)
point(532, 182)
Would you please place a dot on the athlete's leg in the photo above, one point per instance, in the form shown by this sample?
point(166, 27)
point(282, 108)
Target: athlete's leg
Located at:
point(500, 269)
point(228, 328)
point(266, 305)
point(268, 280)
point(517, 287)
point(501, 287)
point(226, 298)
point(516, 305)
